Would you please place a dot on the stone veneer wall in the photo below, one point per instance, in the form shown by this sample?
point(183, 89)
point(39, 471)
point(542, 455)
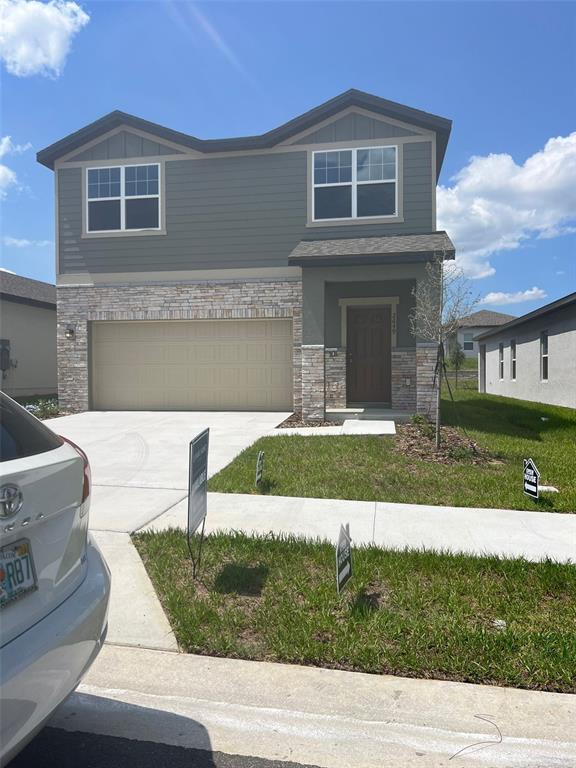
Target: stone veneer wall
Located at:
point(313, 397)
point(404, 368)
point(335, 373)
point(425, 393)
point(217, 300)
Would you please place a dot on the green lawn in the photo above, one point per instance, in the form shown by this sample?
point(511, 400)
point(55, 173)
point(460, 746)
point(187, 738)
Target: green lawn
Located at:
point(469, 364)
point(369, 468)
point(416, 614)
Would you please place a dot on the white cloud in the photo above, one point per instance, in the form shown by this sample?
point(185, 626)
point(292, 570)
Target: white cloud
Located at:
point(7, 176)
point(16, 242)
point(500, 298)
point(495, 204)
point(7, 146)
point(7, 179)
point(35, 37)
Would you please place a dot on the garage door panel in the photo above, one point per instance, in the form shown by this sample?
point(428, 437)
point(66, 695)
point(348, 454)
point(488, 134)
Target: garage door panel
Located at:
point(170, 365)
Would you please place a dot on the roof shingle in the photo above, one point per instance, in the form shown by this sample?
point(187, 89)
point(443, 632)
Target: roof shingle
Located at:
point(26, 288)
point(485, 318)
point(428, 244)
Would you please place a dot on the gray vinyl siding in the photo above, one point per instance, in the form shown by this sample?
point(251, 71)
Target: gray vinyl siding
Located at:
point(354, 127)
point(233, 211)
point(124, 144)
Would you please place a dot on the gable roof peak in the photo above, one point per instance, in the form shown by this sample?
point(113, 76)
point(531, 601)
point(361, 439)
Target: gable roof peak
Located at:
point(350, 98)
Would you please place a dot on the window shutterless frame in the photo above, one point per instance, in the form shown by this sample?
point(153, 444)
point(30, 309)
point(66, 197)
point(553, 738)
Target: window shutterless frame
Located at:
point(513, 360)
point(122, 198)
point(355, 183)
point(544, 356)
point(501, 362)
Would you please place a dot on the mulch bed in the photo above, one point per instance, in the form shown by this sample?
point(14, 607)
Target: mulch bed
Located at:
point(295, 420)
point(417, 441)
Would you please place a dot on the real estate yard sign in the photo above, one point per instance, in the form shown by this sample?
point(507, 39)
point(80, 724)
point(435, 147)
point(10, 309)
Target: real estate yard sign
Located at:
point(531, 478)
point(343, 558)
point(197, 490)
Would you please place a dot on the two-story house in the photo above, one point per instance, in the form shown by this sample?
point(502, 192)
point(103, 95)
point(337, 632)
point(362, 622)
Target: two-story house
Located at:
point(261, 273)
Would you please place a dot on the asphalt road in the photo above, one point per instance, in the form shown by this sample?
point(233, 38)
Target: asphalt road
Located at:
point(55, 748)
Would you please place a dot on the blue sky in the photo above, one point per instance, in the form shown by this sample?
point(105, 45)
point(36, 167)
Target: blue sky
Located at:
point(505, 73)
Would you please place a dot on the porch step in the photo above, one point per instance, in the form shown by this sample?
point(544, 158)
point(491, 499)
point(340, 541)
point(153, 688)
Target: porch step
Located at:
point(367, 414)
point(348, 427)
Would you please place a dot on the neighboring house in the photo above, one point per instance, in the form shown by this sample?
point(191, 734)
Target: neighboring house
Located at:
point(28, 336)
point(476, 323)
point(533, 357)
point(262, 273)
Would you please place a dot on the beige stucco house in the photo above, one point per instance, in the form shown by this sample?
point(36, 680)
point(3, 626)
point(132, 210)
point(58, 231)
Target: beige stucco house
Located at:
point(27, 336)
point(476, 323)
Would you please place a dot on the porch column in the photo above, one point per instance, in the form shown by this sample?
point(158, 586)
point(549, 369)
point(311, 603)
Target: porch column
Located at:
point(426, 354)
point(427, 350)
point(313, 376)
point(312, 381)
point(72, 353)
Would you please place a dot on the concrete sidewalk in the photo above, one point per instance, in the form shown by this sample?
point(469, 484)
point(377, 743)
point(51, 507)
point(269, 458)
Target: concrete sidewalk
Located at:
point(508, 533)
point(324, 717)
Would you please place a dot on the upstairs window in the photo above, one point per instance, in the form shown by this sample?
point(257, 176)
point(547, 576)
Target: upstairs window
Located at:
point(501, 361)
point(544, 355)
point(123, 198)
point(468, 341)
point(513, 360)
point(355, 183)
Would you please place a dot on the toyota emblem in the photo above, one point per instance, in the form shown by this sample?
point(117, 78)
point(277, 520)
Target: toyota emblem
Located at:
point(10, 500)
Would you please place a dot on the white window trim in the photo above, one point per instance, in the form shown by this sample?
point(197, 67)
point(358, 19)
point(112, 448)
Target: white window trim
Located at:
point(513, 358)
point(501, 363)
point(123, 197)
point(354, 183)
point(544, 355)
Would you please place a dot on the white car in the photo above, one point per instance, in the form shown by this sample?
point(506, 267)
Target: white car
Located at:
point(54, 583)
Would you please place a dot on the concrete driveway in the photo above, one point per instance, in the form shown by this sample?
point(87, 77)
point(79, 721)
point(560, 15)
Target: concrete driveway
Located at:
point(139, 460)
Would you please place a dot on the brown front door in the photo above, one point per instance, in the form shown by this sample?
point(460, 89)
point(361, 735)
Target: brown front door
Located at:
point(369, 355)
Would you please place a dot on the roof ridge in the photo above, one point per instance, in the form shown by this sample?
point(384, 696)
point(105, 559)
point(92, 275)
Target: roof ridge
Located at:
point(350, 98)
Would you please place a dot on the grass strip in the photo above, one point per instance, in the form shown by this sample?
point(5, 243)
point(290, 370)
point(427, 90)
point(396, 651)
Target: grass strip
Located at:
point(409, 613)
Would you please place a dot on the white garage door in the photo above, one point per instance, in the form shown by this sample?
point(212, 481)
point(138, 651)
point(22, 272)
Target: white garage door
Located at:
point(187, 365)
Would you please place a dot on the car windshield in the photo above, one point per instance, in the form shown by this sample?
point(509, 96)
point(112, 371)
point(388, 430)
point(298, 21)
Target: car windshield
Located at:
point(21, 434)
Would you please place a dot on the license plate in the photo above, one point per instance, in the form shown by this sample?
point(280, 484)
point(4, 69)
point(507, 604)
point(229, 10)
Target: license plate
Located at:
point(17, 576)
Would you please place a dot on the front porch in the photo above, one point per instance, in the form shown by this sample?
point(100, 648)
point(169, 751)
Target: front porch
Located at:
point(360, 413)
point(358, 349)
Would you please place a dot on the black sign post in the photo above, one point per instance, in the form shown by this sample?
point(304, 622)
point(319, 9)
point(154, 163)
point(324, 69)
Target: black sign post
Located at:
point(343, 558)
point(197, 492)
point(259, 467)
point(531, 478)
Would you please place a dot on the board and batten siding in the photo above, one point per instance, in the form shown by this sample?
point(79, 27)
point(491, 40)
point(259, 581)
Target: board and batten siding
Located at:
point(230, 211)
point(124, 144)
point(355, 127)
